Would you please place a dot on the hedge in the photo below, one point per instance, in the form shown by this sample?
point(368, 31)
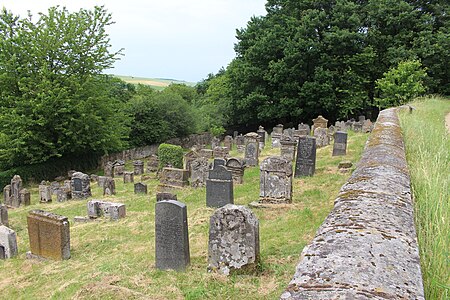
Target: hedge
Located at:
point(170, 154)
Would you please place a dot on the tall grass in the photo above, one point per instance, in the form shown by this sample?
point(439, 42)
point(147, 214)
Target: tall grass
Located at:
point(428, 153)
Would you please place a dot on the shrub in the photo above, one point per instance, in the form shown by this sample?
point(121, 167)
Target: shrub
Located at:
point(170, 154)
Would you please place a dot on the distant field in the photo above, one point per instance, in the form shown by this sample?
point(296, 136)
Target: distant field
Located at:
point(158, 83)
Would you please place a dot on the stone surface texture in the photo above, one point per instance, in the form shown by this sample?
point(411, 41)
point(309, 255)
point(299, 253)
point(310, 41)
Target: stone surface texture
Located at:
point(275, 180)
point(340, 143)
point(237, 168)
point(128, 177)
point(80, 185)
point(233, 240)
point(251, 149)
point(3, 215)
point(138, 167)
point(112, 210)
point(219, 185)
point(45, 192)
point(367, 247)
point(165, 196)
point(140, 188)
point(288, 147)
point(199, 172)
point(173, 178)
point(109, 186)
point(8, 242)
point(306, 156)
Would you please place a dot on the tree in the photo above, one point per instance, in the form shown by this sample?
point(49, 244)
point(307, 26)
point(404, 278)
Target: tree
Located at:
point(53, 100)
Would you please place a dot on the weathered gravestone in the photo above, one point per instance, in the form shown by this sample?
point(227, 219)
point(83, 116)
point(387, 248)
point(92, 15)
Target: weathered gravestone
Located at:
point(54, 186)
point(128, 177)
point(228, 142)
point(16, 186)
point(367, 126)
point(304, 129)
point(109, 169)
point(206, 153)
point(277, 131)
point(101, 181)
point(322, 138)
point(113, 211)
point(7, 195)
point(119, 167)
point(171, 235)
point(275, 180)
point(93, 177)
point(215, 142)
point(80, 186)
point(170, 178)
point(288, 146)
point(237, 167)
point(140, 188)
point(320, 122)
point(361, 118)
point(306, 156)
point(220, 152)
point(357, 126)
point(288, 132)
point(49, 235)
point(152, 163)
point(340, 126)
point(70, 173)
point(219, 185)
point(8, 242)
point(199, 172)
point(233, 240)
point(138, 167)
point(262, 137)
point(240, 143)
point(63, 194)
point(189, 158)
point(3, 215)
point(340, 143)
point(109, 187)
point(251, 149)
point(45, 192)
point(165, 196)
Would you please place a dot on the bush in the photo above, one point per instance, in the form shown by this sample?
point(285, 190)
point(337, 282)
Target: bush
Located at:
point(170, 154)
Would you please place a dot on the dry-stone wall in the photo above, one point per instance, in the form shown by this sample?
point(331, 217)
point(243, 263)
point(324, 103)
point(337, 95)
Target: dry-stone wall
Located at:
point(366, 248)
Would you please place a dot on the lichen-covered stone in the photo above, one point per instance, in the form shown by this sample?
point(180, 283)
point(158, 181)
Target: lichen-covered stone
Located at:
point(80, 186)
point(275, 180)
point(366, 248)
point(8, 242)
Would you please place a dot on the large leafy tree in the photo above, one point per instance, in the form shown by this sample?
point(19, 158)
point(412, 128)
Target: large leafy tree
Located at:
point(53, 99)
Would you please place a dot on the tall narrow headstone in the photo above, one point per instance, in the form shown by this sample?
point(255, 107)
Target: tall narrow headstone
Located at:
point(49, 235)
point(215, 142)
point(262, 137)
point(189, 158)
point(80, 186)
point(3, 215)
point(24, 197)
point(138, 167)
point(228, 142)
point(237, 167)
point(45, 192)
point(288, 147)
point(340, 143)
point(7, 195)
point(240, 143)
point(171, 235)
point(8, 242)
point(219, 185)
point(275, 180)
point(152, 163)
point(128, 177)
point(199, 172)
point(276, 135)
point(251, 149)
point(109, 169)
point(233, 240)
point(16, 186)
point(109, 187)
point(306, 156)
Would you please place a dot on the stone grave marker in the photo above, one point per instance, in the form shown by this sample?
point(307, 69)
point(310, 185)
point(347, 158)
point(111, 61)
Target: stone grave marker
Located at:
point(233, 240)
point(109, 187)
point(80, 186)
point(219, 185)
point(152, 163)
point(288, 147)
point(16, 186)
point(220, 152)
point(305, 129)
point(275, 180)
point(54, 186)
point(348, 125)
point(112, 210)
point(306, 156)
point(165, 196)
point(262, 137)
point(235, 134)
point(206, 153)
point(367, 126)
point(8, 242)
point(340, 143)
point(199, 172)
point(138, 167)
point(228, 142)
point(49, 235)
point(320, 122)
point(128, 177)
point(189, 158)
point(357, 126)
point(140, 188)
point(25, 197)
point(45, 192)
point(101, 181)
point(3, 215)
point(251, 149)
point(322, 138)
point(361, 118)
point(93, 177)
point(237, 167)
point(63, 194)
point(215, 142)
point(171, 235)
point(172, 178)
point(7, 195)
point(340, 126)
point(109, 169)
point(277, 131)
point(119, 167)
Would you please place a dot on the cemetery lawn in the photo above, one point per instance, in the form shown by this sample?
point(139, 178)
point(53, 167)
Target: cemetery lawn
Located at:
point(116, 260)
point(428, 153)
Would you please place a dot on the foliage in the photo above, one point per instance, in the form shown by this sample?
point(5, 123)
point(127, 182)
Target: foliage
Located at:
point(53, 100)
point(170, 155)
point(159, 116)
point(217, 131)
point(401, 84)
point(427, 146)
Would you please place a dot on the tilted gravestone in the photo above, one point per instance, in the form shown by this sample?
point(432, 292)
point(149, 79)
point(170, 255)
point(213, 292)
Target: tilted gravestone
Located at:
point(275, 180)
point(128, 177)
point(277, 131)
point(288, 147)
point(109, 187)
point(219, 185)
point(113, 211)
point(306, 156)
point(138, 167)
point(109, 169)
point(45, 192)
point(140, 188)
point(80, 186)
point(251, 155)
point(199, 172)
point(237, 167)
point(340, 143)
point(233, 240)
point(322, 138)
point(3, 215)
point(49, 235)
point(165, 196)
point(8, 242)
point(171, 235)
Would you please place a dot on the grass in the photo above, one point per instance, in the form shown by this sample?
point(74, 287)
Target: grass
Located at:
point(115, 260)
point(156, 83)
point(428, 153)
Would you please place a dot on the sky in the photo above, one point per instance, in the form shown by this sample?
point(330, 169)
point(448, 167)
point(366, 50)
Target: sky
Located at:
point(174, 39)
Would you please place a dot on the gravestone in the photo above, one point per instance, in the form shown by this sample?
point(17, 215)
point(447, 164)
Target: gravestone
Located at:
point(237, 167)
point(3, 215)
point(138, 167)
point(109, 187)
point(320, 122)
point(240, 143)
point(251, 149)
point(288, 146)
point(219, 185)
point(128, 177)
point(361, 118)
point(348, 125)
point(340, 126)
point(322, 138)
point(63, 194)
point(357, 126)
point(171, 236)
point(275, 180)
point(45, 192)
point(165, 196)
point(277, 131)
point(101, 181)
point(228, 142)
point(199, 172)
point(215, 142)
point(170, 178)
point(304, 128)
point(220, 152)
point(54, 186)
point(113, 211)
point(7, 195)
point(119, 167)
point(80, 186)
point(25, 197)
point(235, 134)
point(109, 169)
point(49, 235)
point(8, 242)
point(140, 188)
point(233, 244)
point(331, 132)
point(206, 153)
point(189, 158)
point(367, 126)
point(152, 163)
point(93, 177)
point(306, 156)
point(262, 137)
point(340, 143)
point(16, 186)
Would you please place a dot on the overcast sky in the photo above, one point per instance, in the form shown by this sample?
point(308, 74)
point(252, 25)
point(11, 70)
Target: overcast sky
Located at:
point(177, 39)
